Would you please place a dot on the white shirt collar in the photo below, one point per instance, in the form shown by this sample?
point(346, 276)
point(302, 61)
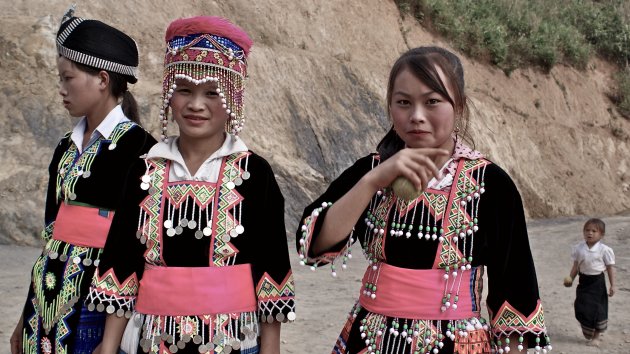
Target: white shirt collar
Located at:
point(170, 151)
point(105, 129)
point(595, 247)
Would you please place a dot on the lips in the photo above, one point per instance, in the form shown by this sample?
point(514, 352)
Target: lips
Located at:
point(418, 132)
point(195, 118)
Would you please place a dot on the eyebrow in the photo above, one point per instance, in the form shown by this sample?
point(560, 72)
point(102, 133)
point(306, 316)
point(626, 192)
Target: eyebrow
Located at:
point(428, 93)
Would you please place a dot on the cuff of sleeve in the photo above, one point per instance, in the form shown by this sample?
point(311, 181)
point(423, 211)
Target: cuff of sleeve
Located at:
point(310, 228)
point(508, 321)
point(276, 302)
point(108, 294)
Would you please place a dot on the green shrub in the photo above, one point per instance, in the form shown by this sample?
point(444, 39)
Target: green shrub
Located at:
point(519, 33)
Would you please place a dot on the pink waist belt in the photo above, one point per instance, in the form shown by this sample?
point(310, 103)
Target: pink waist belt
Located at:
point(178, 291)
point(418, 294)
point(82, 225)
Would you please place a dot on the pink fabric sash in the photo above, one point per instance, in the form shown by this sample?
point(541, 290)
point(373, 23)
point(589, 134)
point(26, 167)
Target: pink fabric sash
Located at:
point(178, 291)
point(82, 226)
point(418, 293)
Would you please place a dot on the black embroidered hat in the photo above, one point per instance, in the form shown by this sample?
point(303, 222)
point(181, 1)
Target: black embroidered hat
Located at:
point(98, 45)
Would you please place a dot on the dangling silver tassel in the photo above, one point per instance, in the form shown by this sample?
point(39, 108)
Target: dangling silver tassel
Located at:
point(69, 14)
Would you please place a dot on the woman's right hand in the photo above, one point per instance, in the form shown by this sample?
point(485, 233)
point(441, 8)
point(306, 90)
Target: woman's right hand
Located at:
point(415, 164)
point(16, 338)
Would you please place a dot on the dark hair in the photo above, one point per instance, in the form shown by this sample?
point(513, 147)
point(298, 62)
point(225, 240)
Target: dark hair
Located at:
point(118, 89)
point(598, 223)
point(423, 63)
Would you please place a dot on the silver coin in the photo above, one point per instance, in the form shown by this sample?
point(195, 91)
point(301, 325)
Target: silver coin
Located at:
point(79, 173)
point(87, 262)
point(100, 307)
point(87, 174)
point(181, 344)
point(91, 307)
point(227, 349)
point(198, 234)
point(146, 178)
point(53, 255)
point(233, 233)
point(76, 260)
point(226, 238)
point(210, 346)
point(96, 262)
point(202, 349)
point(110, 309)
point(197, 339)
point(152, 190)
point(63, 258)
point(73, 196)
point(291, 316)
point(280, 317)
point(170, 232)
point(144, 186)
point(186, 338)
point(173, 348)
point(240, 229)
point(246, 175)
point(270, 319)
point(230, 185)
point(207, 231)
point(143, 240)
point(192, 224)
point(238, 181)
point(112, 146)
point(183, 222)
point(179, 230)
point(169, 339)
point(120, 312)
point(168, 224)
point(164, 336)
point(143, 342)
point(138, 233)
point(236, 345)
point(128, 314)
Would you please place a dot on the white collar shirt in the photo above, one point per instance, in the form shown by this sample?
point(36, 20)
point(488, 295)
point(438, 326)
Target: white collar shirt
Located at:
point(104, 130)
point(209, 169)
point(592, 261)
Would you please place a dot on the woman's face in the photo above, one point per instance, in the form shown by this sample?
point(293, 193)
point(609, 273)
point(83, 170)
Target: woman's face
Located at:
point(198, 110)
point(422, 117)
point(80, 91)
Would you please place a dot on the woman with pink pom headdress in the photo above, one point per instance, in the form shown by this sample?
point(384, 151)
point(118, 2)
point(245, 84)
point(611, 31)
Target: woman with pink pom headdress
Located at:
point(202, 259)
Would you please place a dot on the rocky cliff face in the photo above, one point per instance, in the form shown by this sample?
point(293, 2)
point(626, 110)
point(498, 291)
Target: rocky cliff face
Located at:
point(315, 103)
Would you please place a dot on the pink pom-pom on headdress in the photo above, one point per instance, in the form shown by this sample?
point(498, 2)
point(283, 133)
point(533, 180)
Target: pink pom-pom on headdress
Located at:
point(215, 25)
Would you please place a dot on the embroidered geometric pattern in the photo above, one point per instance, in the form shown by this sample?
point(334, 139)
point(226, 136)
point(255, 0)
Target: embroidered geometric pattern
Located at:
point(227, 199)
point(73, 165)
point(508, 320)
point(150, 207)
point(201, 194)
point(458, 218)
point(109, 284)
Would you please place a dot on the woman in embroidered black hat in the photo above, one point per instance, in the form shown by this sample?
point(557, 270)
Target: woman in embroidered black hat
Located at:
point(88, 171)
point(202, 258)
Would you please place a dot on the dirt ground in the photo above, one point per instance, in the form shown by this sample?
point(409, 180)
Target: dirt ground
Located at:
point(324, 301)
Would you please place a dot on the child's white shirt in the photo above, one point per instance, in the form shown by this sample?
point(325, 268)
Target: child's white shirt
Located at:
point(592, 261)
